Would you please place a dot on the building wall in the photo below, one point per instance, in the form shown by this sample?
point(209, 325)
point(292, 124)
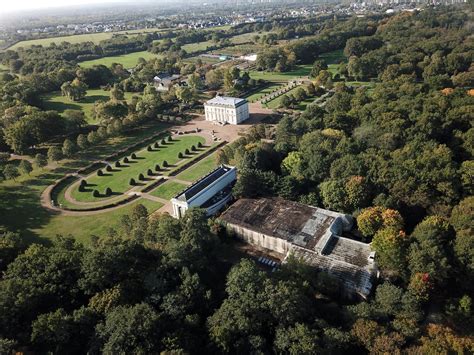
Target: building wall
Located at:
point(259, 239)
point(223, 114)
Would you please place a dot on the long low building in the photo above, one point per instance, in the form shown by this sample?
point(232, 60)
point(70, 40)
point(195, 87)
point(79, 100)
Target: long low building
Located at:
point(211, 192)
point(227, 110)
point(311, 234)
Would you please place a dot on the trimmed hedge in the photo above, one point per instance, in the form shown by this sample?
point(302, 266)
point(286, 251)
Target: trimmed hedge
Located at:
point(132, 182)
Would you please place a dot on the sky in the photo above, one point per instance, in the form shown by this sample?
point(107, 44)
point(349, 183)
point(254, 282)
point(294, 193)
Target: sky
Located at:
point(13, 5)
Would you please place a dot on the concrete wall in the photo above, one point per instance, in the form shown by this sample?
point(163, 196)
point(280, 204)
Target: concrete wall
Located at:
point(213, 189)
point(259, 239)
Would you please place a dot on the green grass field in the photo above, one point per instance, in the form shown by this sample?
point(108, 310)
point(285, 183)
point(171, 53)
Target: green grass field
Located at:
point(246, 37)
point(199, 170)
point(89, 37)
point(83, 227)
point(196, 47)
point(127, 60)
point(118, 180)
point(168, 190)
point(266, 90)
point(55, 101)
point(333, 59)
point(3, 68)
point(275, 103)
point(298, 72)
point(205, 60)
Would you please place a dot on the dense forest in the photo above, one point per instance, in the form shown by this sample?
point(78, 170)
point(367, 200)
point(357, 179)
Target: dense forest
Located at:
point(397, 156)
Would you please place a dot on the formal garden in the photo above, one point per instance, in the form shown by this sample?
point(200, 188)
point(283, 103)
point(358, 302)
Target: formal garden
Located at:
point(112, 182)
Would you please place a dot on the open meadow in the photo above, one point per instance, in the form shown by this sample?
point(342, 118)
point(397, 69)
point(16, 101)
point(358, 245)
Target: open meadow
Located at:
point(129, 60)
point(55, 101)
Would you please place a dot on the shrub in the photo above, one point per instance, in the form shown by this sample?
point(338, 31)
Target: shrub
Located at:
point(108, 168)
point(163, 142)
point(180, 155)
point(95, 193)
point(117, 164)
point(193, 148)
point(134, 156)
point(156, 145)
point(200, 145)
point(100, 173)
point(83, 183)
point(141, 177)
point(149, 149)
point(186, 151)
point(157, 167)
point(165, 164)
point(149, 172)
point(125, 160)
point(132, 182)
point(108, 191)
point(170, 139)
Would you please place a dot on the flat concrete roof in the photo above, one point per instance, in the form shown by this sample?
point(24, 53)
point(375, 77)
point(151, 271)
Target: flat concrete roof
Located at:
point(226, 101)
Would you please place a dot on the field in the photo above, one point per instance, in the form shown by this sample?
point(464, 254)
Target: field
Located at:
point(200, 169)
point(266, 90)
point(275, 103)
point(298, 72)
point(90, 37)
point(197, 47)
point(168, 190)
point(55, 101)
point(333, 59)
point(118, 179)
point(127, 60)
point(205, 60)
point(83, 227)
point(246, 37)
point(4, 68)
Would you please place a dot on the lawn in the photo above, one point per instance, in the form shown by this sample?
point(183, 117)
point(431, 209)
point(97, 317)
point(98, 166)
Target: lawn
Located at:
point(127, 60)
point(197, 47)
point(199, 170)
point(275, 103)
point(83, 227)
point(89, 37)
point(118, 179)
point(20, 208)
point(298, 72)
point(333, 59)
point(3, 68)
point(168, 190)
point(55, 101)
point(265, 91)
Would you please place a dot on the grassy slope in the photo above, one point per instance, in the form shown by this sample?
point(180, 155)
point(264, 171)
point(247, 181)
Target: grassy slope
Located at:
point(127, 60)
point(200, 169)
point(83, 227)
point(168, 190)
point(118, 180)
point(55, 101)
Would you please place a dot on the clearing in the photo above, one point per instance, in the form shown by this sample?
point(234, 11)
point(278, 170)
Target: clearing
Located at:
point(129, 60)
point(297, 73)
point(55, 101)
point(199, 170)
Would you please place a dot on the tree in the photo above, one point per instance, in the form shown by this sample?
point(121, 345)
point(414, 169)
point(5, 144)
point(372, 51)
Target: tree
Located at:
point(82, 141)
point(117, 94)
point(297, 339)
point(334, 195)
point(69, 148)
point(195, 82)
point(184, 94)
point(318, 65)
point(372, 219)
point(214, 79)
point(10, 171)
point(93, 137)
point(285, 101)
point(54, 153)
point(391, 246)
point(130, 329)
point(40, 160)
point(75, 90)
point(25, 167)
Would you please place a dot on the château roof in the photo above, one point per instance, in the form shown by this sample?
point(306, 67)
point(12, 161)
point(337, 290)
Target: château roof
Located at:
point(226, 101)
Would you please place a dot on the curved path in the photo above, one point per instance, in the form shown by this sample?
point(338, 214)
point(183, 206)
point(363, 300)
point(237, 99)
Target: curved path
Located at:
point(46, 202)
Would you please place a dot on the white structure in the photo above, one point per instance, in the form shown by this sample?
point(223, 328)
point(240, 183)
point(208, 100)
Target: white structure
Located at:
point(211, 192)
point(226, 110)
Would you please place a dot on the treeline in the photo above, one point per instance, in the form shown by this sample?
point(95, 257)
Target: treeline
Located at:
point(305, 51)
point(39, 59)
point(431, 45)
